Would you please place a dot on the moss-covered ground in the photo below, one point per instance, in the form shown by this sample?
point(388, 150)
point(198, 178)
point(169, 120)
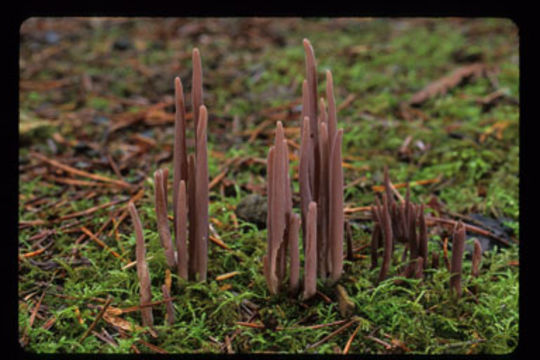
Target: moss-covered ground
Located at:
point(96, 94)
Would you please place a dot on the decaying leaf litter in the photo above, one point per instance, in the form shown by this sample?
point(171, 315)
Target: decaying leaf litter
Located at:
point(97, 115)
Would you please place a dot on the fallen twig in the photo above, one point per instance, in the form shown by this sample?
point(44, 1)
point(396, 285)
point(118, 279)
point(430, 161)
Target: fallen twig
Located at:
point(98, 317)
point(331, 335)
point(78, 172)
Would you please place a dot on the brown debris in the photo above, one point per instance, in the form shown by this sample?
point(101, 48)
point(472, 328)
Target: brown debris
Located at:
point(442, 85)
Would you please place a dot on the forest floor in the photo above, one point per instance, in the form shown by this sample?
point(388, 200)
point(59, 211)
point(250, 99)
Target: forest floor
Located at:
point(96, 120)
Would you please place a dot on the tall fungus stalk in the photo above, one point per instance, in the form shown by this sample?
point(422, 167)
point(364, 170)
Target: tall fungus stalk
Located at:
point(190, 187)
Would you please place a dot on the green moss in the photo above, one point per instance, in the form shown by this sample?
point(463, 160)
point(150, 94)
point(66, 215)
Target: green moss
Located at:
point(381, 63)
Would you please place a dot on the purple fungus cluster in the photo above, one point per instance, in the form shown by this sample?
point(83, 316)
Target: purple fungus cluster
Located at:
point(321, 193)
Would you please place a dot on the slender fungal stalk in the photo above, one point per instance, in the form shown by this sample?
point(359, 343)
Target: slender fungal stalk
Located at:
point(303, 174)
point(180, 167)
point(387, 236)
point(458, 246)
point(196, 88)
point(160, 191)
point(192, 249)
point(422, 236)
point(181, 232)
point(310, 262)
point(281, 226)
point(323, 261)
point(294, 277)
point(476, 258)
point(145, 290)
point(336, 209)
point(201, 196)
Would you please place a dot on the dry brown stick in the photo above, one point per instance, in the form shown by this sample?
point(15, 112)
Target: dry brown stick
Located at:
point(379, 341)
point(349, 342)
point(24, 338)
point(331, 335)
point(217, 179)
point(255, 132)
point(114, 167)
point(78, 172)
point(319, 326)
point(89, 211)
point(75, 182)
point(249, 324)
point(107, 339)
point(125, 212)
point(152, 347)
point(348, 210)
point(468, 227)
point(143, 306)
point(102, 244)
point(98, 317)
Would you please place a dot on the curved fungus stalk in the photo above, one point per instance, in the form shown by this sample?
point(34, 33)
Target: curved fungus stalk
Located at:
point(145, 290)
